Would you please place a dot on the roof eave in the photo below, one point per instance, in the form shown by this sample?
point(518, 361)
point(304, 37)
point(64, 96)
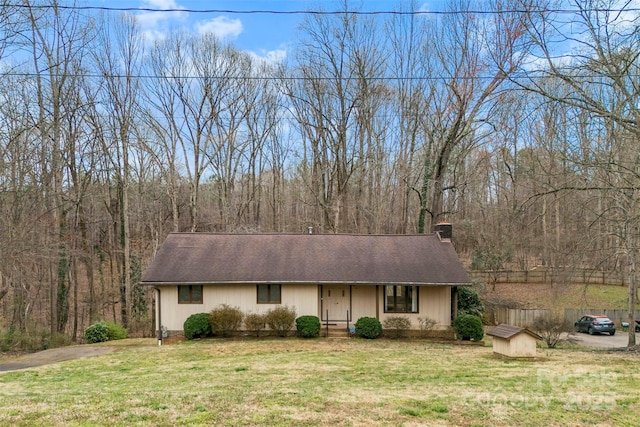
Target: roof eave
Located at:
point(340, 282)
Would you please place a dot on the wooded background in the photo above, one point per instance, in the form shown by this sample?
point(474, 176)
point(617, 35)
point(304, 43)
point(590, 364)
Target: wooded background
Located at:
point(515, 120)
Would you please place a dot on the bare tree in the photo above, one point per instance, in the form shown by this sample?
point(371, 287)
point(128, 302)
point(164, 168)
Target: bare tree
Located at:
point(600, 69)
point(327, 95)
point(58, 39)
point(407, 35)
point(470, 59)
point(119, 63)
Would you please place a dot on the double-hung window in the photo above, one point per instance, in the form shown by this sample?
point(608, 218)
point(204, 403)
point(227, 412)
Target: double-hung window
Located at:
point(400, 299)
point(190, 294)
point(269, 294)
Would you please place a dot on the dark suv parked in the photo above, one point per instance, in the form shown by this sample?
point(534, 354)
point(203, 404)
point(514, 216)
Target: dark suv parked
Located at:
point(595, 324)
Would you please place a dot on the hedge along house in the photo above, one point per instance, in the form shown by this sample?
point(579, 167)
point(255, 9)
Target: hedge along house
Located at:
point(337, 277)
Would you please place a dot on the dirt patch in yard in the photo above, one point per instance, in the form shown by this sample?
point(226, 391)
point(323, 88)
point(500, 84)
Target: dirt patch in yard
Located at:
point(54, 355)
point(61, 354)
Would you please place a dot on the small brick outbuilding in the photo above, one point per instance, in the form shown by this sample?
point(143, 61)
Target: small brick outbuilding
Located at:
point(514, 341)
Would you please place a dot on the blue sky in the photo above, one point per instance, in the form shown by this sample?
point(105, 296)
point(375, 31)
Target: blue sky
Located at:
point(267, 35)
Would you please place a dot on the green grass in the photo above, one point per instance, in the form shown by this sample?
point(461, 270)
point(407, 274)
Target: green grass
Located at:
point(342, 382)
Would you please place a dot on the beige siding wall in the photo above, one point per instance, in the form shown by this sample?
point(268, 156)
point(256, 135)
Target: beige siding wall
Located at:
point(434, 303)
point(522, 345)
point(363, 301)
point(304, 298)
point(501, 346)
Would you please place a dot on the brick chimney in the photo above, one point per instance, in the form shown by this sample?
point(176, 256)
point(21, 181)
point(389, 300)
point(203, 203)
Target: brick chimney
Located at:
point(444, 229)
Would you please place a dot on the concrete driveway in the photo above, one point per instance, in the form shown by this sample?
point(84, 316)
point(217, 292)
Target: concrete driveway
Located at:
point(619, 340)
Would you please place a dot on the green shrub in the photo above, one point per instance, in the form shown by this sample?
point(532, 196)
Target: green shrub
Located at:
point(368, 327)
point(468, 327)
point(281, 320)
point(97, 332)
point(115, 331)
point(308, 326)
point(33, 339)
point(197, 326)
point(255, 322)
point(53, 341)
point(6, 339)
point(396, 326)
point(225, 320)
point(469, 302)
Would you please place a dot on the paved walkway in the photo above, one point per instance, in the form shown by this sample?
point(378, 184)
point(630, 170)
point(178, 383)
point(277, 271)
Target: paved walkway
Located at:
point(54, 355)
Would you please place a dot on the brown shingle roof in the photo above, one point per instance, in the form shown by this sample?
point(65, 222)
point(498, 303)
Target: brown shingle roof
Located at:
point(510, 331)
point(304, 258)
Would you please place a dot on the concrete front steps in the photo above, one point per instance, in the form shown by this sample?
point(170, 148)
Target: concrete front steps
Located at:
point(336, 330)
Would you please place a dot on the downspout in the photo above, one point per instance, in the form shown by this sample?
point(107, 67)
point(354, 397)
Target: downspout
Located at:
point(159, 316)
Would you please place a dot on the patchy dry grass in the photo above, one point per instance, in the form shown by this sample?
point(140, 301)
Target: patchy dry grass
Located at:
point(538, 295)
point(343, 382)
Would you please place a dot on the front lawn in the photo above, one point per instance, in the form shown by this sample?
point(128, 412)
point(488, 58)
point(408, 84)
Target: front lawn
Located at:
point(310, 382)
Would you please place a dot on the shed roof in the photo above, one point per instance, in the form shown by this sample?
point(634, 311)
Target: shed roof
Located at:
point(203, 258)
point(510, 331)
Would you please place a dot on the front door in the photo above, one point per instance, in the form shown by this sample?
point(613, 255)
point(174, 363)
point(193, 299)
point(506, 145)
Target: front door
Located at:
point(336, 301)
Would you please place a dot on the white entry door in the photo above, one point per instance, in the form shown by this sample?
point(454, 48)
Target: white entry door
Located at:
point(335, 300)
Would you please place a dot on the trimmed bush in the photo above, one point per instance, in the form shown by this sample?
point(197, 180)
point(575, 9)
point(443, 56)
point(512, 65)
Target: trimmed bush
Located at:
point(255, 322)
point(197, 326)
point(368, 327)
point(396, 326)
point(225, 320)
point(115, 331)
point(468, 327)
point(281, 320)
point(308, 326)
point(97, 332)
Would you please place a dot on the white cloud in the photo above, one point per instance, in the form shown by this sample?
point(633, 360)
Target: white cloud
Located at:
point(222, 27)
point(269, 56)
point(154, 24)
point(161, 4)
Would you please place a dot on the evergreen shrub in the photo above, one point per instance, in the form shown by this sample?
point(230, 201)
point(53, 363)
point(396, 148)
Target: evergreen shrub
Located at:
point(97, 332)
point(115, 331)
point(308, 326)
point(468, 327)
point(197, 326)
point(368, 327)
point(469, 302)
